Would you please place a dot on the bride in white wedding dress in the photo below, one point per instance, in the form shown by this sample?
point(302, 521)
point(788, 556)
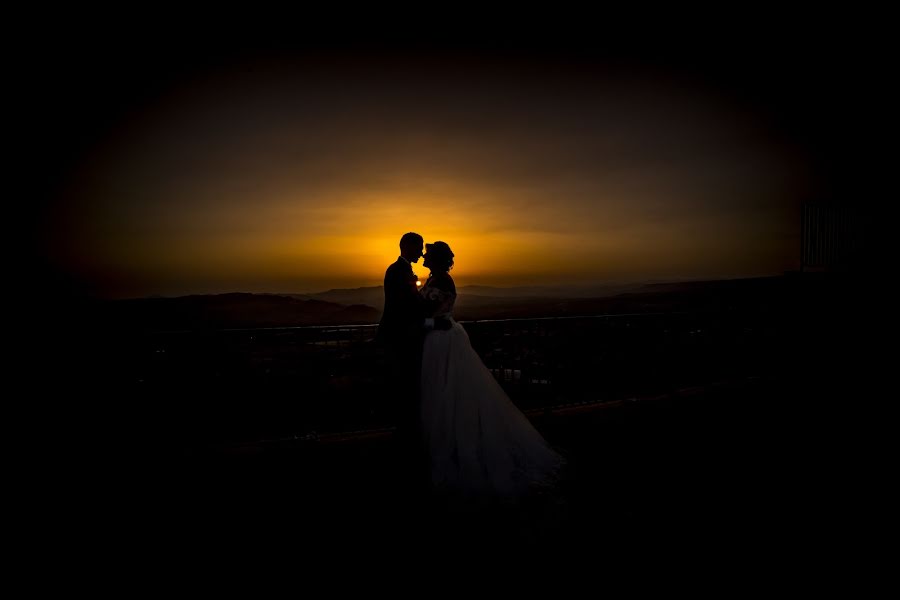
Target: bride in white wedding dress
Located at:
point(480, 445)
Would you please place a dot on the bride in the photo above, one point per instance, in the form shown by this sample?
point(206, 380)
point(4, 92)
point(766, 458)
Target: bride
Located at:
point(480, 445)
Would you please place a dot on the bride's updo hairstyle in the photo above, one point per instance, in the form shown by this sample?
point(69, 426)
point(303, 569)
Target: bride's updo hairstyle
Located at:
point(440, 257)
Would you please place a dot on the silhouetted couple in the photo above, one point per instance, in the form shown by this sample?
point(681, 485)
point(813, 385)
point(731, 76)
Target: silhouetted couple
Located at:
point(458, 427)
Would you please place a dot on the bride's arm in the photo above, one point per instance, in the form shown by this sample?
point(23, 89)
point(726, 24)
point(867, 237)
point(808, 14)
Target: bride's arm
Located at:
point(439, 295)
point(434, 299)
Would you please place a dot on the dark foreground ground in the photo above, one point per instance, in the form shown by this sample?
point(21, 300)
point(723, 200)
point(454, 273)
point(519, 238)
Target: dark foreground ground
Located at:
point(782, 469)
point(725, 468)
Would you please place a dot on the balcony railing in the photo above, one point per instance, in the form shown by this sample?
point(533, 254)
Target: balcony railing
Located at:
point(243, 383)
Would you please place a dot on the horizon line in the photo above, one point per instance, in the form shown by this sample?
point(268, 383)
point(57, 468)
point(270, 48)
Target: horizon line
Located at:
point(609, 283)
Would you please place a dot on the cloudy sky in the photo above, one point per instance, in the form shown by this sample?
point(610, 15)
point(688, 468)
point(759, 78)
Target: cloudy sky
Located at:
point(225, 166)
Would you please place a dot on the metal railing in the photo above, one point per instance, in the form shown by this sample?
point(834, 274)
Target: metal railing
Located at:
point(828, 237)
point(252, 382)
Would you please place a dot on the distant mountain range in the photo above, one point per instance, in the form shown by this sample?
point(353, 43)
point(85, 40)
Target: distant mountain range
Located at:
point(232, 311)
point(364, 305)
point(478, 295)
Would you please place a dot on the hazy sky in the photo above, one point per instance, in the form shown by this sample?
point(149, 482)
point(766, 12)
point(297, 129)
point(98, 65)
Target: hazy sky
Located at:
point(298, 169)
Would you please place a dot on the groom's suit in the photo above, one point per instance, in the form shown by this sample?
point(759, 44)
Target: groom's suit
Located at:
point(404, 309)
point(401, 333)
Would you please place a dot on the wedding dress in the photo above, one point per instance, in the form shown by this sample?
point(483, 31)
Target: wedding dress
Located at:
point(480, 444)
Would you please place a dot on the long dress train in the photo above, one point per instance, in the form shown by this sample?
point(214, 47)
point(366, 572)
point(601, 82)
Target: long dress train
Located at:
point(480, 444)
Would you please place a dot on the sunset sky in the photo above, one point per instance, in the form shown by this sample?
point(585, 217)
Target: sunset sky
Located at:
point(227, 167)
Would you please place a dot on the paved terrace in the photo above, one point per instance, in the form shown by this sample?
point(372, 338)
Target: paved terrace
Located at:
point(731, 447)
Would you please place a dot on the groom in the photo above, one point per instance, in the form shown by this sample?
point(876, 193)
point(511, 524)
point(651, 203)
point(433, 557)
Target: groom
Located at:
point(401, 332)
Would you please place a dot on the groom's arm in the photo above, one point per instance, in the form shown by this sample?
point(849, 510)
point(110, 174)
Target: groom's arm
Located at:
point(402, 286)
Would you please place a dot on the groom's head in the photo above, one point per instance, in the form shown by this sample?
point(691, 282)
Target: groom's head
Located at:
point(411, 245)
